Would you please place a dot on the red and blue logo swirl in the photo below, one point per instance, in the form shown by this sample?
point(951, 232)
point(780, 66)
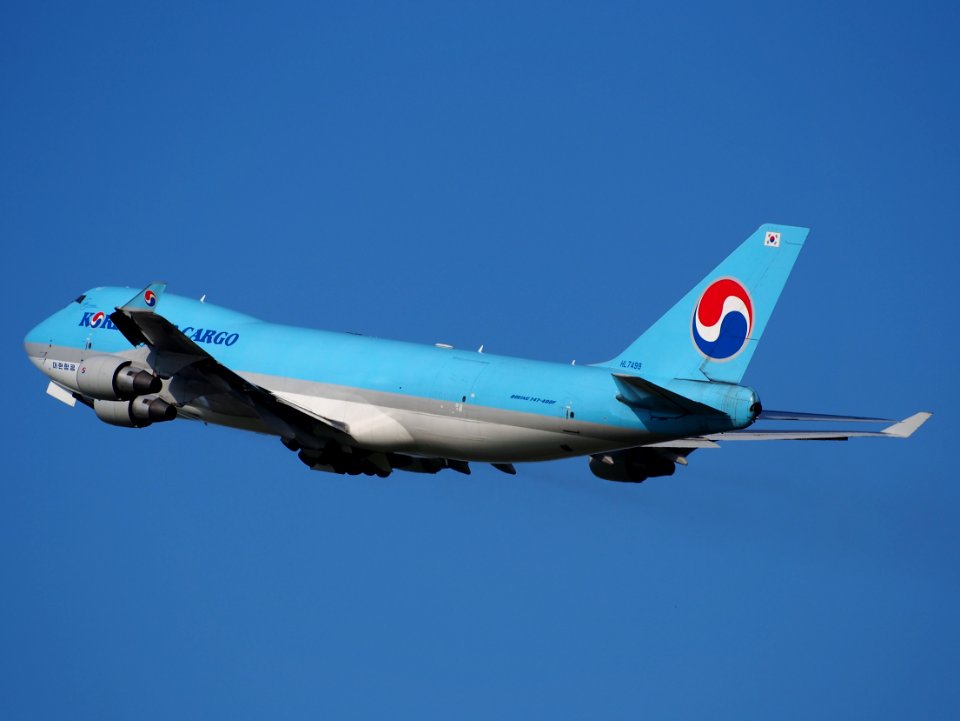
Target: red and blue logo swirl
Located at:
point(723, 319)
point(150, 298)
point(98, 318)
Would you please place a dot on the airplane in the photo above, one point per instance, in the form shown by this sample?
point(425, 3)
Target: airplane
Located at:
point(352, 404)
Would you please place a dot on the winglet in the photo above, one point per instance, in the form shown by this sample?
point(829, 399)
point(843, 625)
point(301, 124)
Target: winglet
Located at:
point(906, 427)
point(143, 303)
point(146, 299)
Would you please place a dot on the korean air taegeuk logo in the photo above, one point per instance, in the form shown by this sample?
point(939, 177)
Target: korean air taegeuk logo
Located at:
point(722, 319)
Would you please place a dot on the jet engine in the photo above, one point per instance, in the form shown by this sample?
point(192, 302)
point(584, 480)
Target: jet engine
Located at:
point(634, 465)
point(111, 379)
point(138, 413)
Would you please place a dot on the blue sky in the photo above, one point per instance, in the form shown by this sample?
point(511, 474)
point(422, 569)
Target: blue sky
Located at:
point(546, 180)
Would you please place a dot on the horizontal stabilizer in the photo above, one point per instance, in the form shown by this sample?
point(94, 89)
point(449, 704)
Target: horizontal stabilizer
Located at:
point(902, 429)
point(641, 393)
point(797, 416)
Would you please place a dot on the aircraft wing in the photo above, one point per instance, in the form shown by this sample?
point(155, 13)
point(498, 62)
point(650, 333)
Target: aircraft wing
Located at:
point(141, 325)
point(902, 429)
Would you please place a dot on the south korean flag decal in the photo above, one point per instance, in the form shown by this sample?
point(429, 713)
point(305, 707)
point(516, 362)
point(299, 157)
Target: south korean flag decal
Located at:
point(772, 240)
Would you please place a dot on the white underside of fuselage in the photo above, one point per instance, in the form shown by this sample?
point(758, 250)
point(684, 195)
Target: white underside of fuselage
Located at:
point(403, 424)
point(452, 430)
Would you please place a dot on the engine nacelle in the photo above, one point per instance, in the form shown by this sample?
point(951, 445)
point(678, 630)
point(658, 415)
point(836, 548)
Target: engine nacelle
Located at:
point(138, 413)
point(633, 465)
point(110, 379)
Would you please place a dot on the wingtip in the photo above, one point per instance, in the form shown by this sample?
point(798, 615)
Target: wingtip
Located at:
point(908, 426)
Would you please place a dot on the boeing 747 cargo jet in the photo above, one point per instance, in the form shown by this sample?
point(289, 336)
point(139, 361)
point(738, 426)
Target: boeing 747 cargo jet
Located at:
point(353, 404)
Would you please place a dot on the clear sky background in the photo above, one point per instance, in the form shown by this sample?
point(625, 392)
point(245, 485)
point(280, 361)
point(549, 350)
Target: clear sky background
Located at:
point(545, 179)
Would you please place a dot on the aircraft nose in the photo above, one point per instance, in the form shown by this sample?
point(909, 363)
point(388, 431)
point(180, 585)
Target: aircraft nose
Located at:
point(37, 341)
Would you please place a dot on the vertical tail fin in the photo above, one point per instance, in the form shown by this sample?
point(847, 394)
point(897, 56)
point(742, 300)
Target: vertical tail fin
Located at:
point(715, 328)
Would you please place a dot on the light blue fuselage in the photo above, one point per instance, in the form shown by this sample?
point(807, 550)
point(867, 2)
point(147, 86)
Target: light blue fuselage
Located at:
point(394, 396)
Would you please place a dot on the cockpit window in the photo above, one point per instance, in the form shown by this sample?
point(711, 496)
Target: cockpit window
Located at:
point(80, 298)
